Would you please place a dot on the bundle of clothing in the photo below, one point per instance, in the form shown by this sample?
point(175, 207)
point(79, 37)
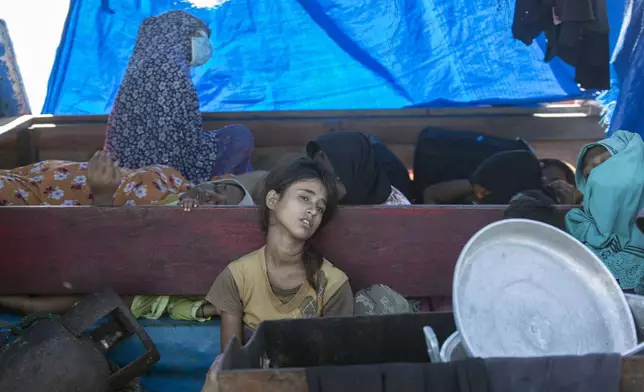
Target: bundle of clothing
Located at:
point(576, 31)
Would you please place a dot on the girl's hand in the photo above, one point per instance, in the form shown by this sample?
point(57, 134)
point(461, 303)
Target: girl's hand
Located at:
point(188, 203)
point(103, 172)
point(103, 178)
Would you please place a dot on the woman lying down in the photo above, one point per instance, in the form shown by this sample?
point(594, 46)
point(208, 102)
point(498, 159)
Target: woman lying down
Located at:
point(101, 182)
point(286, 278)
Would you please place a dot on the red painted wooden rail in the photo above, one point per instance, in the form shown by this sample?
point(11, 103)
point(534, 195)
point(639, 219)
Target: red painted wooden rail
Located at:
point(163, 250)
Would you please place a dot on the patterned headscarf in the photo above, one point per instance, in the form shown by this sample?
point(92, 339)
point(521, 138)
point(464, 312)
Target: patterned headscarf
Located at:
point(156, 118)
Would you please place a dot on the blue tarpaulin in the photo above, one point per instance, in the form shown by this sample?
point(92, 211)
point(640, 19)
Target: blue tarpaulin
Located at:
point(625, 101)
point(318, 54)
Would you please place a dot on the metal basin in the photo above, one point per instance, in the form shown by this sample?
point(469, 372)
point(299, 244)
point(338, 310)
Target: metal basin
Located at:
point(523, 289)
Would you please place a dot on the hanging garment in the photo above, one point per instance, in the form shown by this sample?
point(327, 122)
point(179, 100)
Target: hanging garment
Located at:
point(576, 31)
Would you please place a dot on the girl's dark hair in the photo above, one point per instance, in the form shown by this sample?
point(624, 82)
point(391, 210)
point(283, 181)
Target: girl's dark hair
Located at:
point(279, 180)
point(561, 165)
point(537, 206)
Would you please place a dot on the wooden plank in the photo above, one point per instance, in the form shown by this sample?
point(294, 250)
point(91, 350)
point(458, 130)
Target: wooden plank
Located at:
point(77, 137)
point(265, 158)
point(8, 157)
point(405, 131)
point(566, 150)
point(164, 250)
point(279, 380)
point(7, 120)
point(400, 130)
point(16, 144)
point(85, 138)
point(369, 113)
point(294, 380)
point(15, 126)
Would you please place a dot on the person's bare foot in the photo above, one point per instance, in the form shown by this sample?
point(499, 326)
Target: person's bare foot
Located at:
point(103, 177)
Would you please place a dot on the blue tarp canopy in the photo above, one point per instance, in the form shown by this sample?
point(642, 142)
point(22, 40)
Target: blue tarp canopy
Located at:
point(625, 101)
point(318, 54)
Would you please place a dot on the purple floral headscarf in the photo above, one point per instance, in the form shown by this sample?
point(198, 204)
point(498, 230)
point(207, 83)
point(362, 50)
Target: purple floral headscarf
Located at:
point(155, 118)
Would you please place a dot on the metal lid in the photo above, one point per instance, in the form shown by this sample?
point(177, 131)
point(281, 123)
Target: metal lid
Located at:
point(523, 288)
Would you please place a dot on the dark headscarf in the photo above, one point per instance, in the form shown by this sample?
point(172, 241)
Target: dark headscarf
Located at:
point(507, 173)
point(155, 118)
point(354, 161)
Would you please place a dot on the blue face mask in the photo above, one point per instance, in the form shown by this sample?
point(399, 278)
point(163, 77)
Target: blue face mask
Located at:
point(201, 49)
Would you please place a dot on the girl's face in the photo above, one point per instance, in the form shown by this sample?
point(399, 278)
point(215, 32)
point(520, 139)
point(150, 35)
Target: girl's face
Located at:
point(219, 194)
point(300, 208)
point(594, 157)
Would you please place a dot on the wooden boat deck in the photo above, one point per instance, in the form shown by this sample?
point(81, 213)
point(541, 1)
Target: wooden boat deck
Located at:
point(30, 139)
point(165, 250)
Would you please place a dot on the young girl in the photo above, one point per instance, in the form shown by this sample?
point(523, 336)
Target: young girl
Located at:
point(286, 278)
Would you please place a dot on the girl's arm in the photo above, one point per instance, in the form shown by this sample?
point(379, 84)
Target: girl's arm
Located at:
point(103, 179)
point(231, 325)
point(447, 192)
point(224, 297)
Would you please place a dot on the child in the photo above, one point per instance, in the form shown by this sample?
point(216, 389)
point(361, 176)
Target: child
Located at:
point(102, 182)
point(286, 278)
point(109, 187)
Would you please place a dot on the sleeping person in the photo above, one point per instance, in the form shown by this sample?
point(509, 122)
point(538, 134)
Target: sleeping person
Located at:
point(361, 178)
point(104, 179)
point(497, 180)
point(101, 182)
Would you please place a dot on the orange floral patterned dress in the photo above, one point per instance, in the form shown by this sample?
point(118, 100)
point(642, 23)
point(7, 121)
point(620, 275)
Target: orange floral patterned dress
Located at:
point(65, 183)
